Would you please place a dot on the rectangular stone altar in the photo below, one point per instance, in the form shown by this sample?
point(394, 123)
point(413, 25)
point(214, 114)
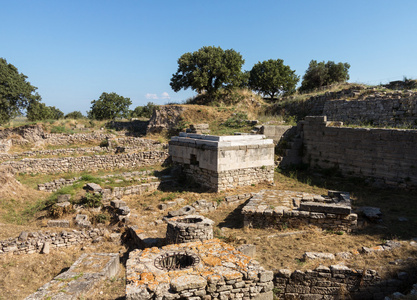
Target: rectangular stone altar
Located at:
point(221, 162)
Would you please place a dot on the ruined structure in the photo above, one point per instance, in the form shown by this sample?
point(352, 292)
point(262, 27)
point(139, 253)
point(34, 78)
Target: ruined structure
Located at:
point(196, 270)
point(189, 228)
point(221, 162)
point(270, 208)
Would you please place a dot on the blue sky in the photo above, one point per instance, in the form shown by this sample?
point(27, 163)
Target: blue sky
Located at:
point(74, 50)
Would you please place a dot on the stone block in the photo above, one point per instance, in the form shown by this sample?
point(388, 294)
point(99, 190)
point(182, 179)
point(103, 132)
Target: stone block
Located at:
point(59, 223)
point(63, 198)
point(325, 208)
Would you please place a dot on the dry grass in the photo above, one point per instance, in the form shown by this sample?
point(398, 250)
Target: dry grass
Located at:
point(22, 275)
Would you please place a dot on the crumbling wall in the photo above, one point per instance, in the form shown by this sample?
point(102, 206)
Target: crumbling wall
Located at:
point(386, 155)
point(87, 163)
point(335, 282)
point(34, 242)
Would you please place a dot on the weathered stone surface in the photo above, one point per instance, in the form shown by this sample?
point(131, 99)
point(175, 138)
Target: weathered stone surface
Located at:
point(372, 213)
point(247, 249)
point(63, 198)
point(325, 208)
point(93, 187)
point(59, 223)
point(188, 282)
point(318, 255)
point(81, 277)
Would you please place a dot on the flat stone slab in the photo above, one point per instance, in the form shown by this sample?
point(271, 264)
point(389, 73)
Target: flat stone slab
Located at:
point(59, 223)
point(325, 208)
point(82, 276)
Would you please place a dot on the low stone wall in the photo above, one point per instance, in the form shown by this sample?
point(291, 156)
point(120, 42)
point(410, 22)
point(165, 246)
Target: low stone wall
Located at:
point(335, 282)
point(190, 228)
point(57, 184)
point(34, 242)
point(231, 178)
point(281, 209)
point(388, 156)
point(87, 163)
point(119, 192)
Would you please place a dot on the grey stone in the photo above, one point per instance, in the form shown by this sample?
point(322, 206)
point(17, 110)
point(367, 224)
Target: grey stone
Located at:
point(46, 248)
point(318, 255)
point(23, 236)
point(63, 198)
point(325, 208)
point(247, 249)
point(94, 187)
point(372, 213)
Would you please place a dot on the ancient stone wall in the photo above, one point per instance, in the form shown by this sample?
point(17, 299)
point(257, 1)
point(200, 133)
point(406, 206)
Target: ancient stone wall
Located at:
point(335, 282)
point(34, 242)
point(388, 156)
point(57, 184)
point(397, 109)
point(87, 163)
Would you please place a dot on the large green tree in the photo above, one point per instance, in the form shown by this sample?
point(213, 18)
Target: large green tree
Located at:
point(208, 69)
point(271, 77)
point(321, 74)
point(109, 106)
point(15, 92)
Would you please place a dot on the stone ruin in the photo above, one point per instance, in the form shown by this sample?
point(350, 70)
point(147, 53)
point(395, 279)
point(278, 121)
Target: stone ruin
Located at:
point(271, 208)
point(222, 162)
point(196, 270)
point(189, 229)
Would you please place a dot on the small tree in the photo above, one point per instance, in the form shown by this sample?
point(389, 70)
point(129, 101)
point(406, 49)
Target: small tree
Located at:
point(322, 74)
point(74, 115)
point(208, 69)
point(144, 111)
point(15, 92)
point(109, 107)
point(272, 77)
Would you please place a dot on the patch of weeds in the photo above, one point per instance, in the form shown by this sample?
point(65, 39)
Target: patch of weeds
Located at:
point(93, 199)
point(104, 143)
point(169, 197)
point(101, 218)
point(300, 262)
point(219, 200)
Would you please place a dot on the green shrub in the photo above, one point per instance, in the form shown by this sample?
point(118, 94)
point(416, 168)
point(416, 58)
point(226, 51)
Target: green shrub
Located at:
point(93, 200)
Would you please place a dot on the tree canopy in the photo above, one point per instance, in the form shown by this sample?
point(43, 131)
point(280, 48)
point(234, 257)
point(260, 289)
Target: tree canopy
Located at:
point(208, 69)
point(74, 115)
point(109, 106)
point(15, 92)
point(322, 74)
point(272, 77)
point(144, 111)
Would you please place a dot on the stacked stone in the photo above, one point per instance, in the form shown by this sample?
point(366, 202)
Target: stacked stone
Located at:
point(119, 192)
point(198, 129)
point(386, 109)
point(83, 163)
point(385, 155)
point(34, 242)
point(334, 282)
point(189, 228)
point(217, 271)
point(292, 209)
point(57, 184)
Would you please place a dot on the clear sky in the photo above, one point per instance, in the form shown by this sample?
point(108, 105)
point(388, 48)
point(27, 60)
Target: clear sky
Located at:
point(73, 50)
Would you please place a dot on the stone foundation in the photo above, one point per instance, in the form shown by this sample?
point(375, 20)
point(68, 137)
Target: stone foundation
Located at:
point(336, 282)
point(197, 270)
point(282, 209)
point(189, 228)
point(87, 163)
point(220, 181)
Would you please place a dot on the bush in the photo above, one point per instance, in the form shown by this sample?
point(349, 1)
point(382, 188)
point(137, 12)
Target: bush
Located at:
point(93, 200)
point(74, 115)
point(104, 143)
